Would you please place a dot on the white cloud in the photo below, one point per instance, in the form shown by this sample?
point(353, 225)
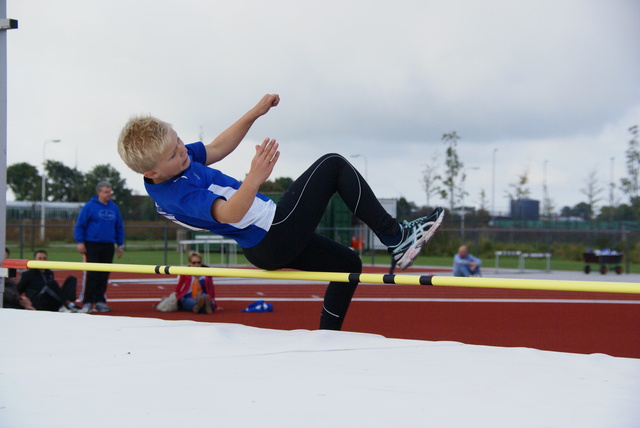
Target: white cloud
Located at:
point(537, 80)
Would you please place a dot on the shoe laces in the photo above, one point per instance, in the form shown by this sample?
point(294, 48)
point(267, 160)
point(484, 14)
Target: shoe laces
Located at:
point(416, 227)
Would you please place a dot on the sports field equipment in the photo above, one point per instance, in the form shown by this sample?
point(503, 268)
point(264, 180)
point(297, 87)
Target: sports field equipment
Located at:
point(404, 279)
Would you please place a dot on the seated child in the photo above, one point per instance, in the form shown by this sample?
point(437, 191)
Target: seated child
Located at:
point(195, 293)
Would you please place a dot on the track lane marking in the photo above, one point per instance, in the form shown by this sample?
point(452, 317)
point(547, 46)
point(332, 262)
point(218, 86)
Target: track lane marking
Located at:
point(407, 300)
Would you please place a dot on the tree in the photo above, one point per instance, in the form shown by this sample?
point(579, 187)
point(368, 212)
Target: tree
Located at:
point(625, 212)
point(24, 181)
point(520, 189)
point(548, 205)
point(482, 214)
point(452, 188)
point(582, 210)
point(279, 185)
point(630, 185)
point(121, 194)
point(143, 208)
point(63, 183)
point(405, 210)
point(607, 213)
point(565, 211)
point(592, 190)
point(430, 178)
point(66, 184)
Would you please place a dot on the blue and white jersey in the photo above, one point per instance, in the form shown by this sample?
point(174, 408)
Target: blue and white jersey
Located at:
point(186, 199)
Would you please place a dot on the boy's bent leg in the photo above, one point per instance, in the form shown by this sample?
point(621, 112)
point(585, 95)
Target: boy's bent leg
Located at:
point(325, 255)
point(302, 206)
point(310, 194)
point(337, 299)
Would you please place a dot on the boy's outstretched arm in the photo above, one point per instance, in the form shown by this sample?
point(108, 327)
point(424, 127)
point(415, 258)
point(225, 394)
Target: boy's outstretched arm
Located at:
point(227, 142)
point(234, 209)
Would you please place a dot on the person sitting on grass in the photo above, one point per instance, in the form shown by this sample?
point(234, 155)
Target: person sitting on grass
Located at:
point(196, 293)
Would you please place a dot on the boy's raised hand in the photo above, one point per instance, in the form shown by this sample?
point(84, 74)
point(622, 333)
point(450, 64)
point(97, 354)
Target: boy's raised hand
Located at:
point(264, 161)
point(265, 104)
point(234, 209)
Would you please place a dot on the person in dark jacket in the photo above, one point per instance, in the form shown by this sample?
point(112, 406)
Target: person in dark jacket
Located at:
point(98, 229)
point(12, 297)
point(45, 294)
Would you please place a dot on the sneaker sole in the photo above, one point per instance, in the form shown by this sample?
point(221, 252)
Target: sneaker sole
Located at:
point(413, 251)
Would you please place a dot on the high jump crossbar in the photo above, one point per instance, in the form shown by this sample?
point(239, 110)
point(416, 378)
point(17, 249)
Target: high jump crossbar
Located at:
point(368, 278)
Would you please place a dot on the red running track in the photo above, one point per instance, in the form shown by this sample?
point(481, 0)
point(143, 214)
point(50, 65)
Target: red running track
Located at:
point(562, 321)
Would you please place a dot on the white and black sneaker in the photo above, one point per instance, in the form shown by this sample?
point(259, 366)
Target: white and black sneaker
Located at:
point(102, 307)
point(415, 235)
point(68, 308)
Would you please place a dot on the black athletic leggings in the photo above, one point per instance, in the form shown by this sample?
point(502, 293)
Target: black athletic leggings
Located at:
point(293, 243)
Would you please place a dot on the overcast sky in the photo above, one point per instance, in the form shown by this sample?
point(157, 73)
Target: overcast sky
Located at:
point(554, 81)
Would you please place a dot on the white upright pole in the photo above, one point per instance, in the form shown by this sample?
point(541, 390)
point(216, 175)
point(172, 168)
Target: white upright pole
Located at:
point(5, 24)
point(493, 185)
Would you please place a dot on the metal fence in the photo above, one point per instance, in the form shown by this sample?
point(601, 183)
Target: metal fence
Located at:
point(546, 238)
point(25, 238)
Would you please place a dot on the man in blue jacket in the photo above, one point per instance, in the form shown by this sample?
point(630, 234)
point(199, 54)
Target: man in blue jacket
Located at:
point(464, 264)
point(98, 228)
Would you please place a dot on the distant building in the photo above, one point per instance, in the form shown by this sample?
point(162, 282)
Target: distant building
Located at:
point(18, 211)
point(525, 210)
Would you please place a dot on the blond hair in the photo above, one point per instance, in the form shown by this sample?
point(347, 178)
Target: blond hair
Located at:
point(193, 254)
point(142, 141)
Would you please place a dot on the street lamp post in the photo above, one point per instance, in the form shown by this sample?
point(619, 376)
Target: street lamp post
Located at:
point(547, 208)
point(611, 186)
point(366, 172)
point(464, 177)
point(44, 190)
point(493, 185)
point(366, 178)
